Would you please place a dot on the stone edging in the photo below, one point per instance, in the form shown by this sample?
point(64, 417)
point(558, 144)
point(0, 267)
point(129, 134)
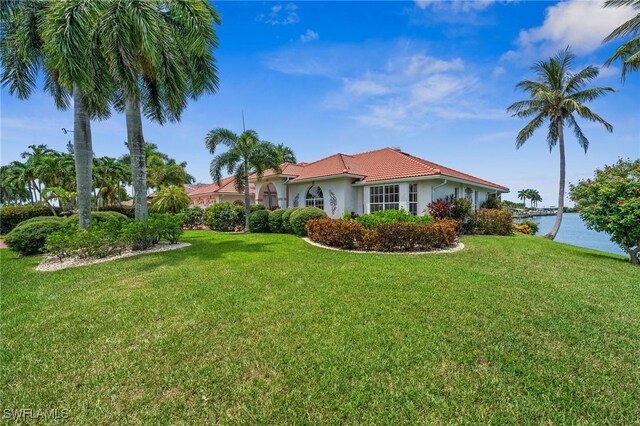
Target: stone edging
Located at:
point(459, 246)
point(52, 264)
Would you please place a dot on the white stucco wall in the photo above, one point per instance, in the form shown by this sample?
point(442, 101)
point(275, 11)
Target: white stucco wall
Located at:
point(345, 194)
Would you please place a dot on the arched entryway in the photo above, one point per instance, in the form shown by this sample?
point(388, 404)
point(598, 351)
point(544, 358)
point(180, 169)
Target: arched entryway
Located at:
point(269, 196)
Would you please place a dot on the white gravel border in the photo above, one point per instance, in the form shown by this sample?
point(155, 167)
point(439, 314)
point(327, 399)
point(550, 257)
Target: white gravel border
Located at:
point(52, 263)
point(453, 249)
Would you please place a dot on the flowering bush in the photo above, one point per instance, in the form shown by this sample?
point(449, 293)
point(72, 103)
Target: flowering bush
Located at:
point(529, 225)
point(523, 228)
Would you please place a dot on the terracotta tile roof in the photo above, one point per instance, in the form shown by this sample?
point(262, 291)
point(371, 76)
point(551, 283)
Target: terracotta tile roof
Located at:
point(287, 169)
point(378, 165)
point(383, 164)
point(226, 187)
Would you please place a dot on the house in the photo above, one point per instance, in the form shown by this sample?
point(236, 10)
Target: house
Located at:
point(204, 195)
point(364, 183)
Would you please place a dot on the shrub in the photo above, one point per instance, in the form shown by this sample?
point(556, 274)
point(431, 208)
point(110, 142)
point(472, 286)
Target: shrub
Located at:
point(11, 216)
point(460, 209)
point(370, 221)
point(100, 240)
point(39, 219)
point(275, 220)
point(492, 203)
point(256, 207)
point(168, 226)
point(101, 216)
point(286, 223)
point(531, 225)
point(259, 221)
point(345, 234)
point(193, 218)
point(440, 209)
point(494, 222)
point(350, 215)
point(142, 234)
point(300, 217)
point(224, 216)
point(415, 237)
point(523, 228)
point(30, 238)
point(128, 211)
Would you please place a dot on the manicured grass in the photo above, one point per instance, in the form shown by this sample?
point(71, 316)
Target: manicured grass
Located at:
point(268, 329)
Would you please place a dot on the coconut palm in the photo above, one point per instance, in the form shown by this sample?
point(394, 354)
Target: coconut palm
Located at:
point(159, 54)
point(10, 190)
point(557, 96)
point(110, 177)
point(285, 154)
point(535, 197)
point(629, 52)
point(523, 195)
point(246, 155)
point(56, 38)
point(169, 199)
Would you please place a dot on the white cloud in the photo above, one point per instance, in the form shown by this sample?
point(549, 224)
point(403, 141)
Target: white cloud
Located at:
point(498, 71)
point(308, 36)
point(280, 15)
point(576, 23)
point(455, 6)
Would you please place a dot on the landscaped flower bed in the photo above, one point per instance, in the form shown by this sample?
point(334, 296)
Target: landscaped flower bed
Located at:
point(386, 237)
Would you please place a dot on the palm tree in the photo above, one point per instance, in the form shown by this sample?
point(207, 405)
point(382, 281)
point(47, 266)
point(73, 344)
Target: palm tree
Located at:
point(629, 52)
point(557, 96)
point(246, 155)
point(159, 53)
point(170, 199)
point(56, 38)
point(524, 196)
point(285, 154)
point(110, 176)
point(535, 197)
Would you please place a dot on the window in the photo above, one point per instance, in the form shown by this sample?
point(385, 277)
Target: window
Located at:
point(314, 197)
point(384, 198)
point(456, 193)
point(413, 199)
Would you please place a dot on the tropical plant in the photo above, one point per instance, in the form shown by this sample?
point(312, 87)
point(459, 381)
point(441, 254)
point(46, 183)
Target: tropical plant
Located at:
point(285, 154)
point(246, 155)
point(523, 195)
point(610, 202)
point(169, 199)
point(557, 96)
point(159, 53)
point(629, 52)
point(56, 38)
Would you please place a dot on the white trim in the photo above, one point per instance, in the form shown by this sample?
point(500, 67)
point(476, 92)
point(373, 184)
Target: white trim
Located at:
point(431, 177)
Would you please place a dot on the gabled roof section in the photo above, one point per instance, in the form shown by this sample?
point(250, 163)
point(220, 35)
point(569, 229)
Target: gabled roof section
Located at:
point(373, 166)
point(226, 187)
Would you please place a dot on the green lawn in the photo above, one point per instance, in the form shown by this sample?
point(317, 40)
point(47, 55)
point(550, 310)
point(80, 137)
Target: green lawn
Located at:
point(266, 328)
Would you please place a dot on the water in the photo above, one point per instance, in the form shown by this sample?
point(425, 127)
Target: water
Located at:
point(573, 231)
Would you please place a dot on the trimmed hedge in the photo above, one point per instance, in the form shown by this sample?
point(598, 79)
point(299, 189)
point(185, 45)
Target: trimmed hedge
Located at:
point(128, 211)
point(286, 223)
point(370, 221)
point(104, 216)
point(29, 238)
point(259, 221)
point(275, 221)
point(300, 217)
point(11, 216)
point(345, 234)
point(399, 236)
point(493, 222)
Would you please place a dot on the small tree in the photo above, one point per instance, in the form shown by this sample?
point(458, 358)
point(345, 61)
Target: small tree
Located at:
point(169, 199)
point(610, 202)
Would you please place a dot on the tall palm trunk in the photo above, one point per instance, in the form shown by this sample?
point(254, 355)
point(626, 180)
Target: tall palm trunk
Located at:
point(83, 154)
point(138, 158)
point(556, 226)
point(247, 199)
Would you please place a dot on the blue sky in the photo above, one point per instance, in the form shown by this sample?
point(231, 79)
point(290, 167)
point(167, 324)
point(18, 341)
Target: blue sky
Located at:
point(433, 78)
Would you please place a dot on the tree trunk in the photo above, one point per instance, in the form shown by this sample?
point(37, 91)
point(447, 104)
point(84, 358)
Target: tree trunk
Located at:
point(83, 155)
point(138, 158)
point(247, 199)
point(556, 226)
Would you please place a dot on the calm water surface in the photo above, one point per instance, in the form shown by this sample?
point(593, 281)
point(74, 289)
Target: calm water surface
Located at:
point(573, 231)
